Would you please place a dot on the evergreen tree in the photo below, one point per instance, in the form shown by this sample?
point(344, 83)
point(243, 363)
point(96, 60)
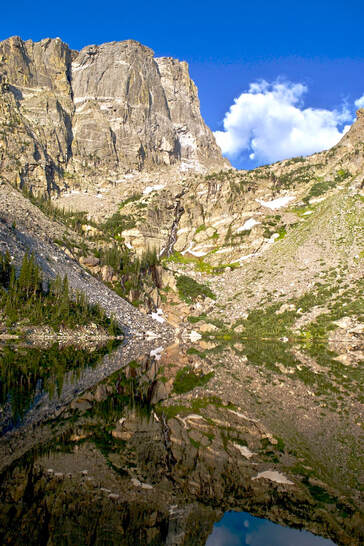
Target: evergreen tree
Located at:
point(25, 297)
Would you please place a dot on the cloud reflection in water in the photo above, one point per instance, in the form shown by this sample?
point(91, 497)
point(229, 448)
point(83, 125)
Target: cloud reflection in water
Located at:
point(242, 529)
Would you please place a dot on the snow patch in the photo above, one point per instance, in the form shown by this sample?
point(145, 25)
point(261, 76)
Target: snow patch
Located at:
point(194, 336)
point(249, 224)
point(276, 203)
point(188, 164)
point(198, 253)
point(273, 476)
point(317, 199)
point(190, 417)
point(273, 238)
point(149, 335)
point(243, 416)
point(79, 67)
point(187, 140)
point(193, 416)
point(187, 249)
point(183, 230)
point(157, 353)
point(79, 100)
point(223, 250)
point(244, 451)
point(138, 483)
point(243, 258)
point(225, 220)
point(149, 189)
point(158, 316)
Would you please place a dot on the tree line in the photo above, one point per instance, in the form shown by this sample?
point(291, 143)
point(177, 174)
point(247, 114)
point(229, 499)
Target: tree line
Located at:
point(26, 295)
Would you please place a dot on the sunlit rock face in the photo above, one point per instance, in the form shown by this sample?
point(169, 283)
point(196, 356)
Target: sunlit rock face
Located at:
point(121, 111)
point(195, 142)
point(36, 110)
point(104, 111)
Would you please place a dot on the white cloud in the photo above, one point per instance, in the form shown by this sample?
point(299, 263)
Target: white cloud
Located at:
point(269, 123)
point(360, 102)
point(222, 536)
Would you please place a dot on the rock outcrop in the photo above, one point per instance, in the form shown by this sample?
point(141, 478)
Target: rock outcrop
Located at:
point(68, 118)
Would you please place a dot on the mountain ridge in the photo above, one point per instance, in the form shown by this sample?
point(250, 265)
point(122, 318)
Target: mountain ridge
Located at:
point(111, 108)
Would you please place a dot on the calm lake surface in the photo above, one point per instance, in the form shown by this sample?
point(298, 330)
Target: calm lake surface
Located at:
point(89, 456)
point(242, 529)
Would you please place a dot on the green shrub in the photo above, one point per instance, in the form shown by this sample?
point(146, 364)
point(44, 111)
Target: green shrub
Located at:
point(118, 223)
point(189, 289)
point(131, 199)
point(186, 380)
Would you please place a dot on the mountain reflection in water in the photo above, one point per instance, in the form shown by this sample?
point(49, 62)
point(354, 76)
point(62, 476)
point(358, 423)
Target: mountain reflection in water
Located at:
point(28, 374)
point(105, 451)
point(242, 529)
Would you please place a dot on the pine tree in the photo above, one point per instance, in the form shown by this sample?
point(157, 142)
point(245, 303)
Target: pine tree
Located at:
point(64, 305)
point(25, 275)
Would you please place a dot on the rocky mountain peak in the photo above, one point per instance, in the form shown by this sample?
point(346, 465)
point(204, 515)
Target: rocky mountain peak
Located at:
point(97, 114)
point(350, 146)
point(356, 131)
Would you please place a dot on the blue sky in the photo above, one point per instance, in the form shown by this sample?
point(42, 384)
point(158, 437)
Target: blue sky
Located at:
point(229, 45)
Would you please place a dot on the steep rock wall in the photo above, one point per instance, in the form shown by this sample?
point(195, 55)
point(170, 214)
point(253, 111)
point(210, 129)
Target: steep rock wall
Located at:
point(68, 118)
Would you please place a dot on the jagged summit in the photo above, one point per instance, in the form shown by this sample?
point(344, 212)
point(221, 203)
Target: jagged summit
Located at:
point(355, 135)
point(101, 112)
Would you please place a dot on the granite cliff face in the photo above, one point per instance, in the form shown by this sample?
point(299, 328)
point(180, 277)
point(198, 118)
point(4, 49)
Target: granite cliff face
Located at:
point(68, 118)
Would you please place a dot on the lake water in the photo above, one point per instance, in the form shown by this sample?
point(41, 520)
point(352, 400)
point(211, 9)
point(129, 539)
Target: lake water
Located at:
point(88, 455)
point(243, 529)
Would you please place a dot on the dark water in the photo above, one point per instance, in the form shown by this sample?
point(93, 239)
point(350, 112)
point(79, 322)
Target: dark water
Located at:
point(242, 529)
